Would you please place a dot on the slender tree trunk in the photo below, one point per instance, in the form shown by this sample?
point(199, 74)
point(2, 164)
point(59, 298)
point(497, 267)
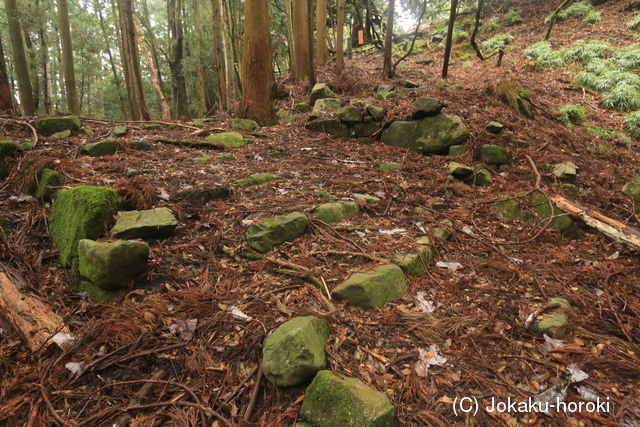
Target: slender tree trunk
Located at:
point(218, 45)
point(310, 21)
point(67, 57)
point(33, 66)
point(176, 34)
point(447, 49)
point(257, 69)
point(44, 59)
point(6, 98)
point(155, 81)
point(19, 59)
point(151, 38)
point(107, 44)
point(200, 67)
point(291, 40)
point(321, 33)
point(232, 40)
point(299, 13)
point(340, 38)
point(388, 42)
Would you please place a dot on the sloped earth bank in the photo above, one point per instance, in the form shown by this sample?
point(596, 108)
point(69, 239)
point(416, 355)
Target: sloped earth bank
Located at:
point(142, 353)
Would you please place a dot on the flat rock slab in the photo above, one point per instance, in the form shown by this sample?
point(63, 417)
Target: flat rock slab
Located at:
point(99, 149)
point(336, 211)
point(426, 107)
point(81, 212)
point(332, 400)
point(148, 224)
point(112, 265)
point(51, 125)
point(373, 288)
point(294, 352)
point(226, 139)
point(269, 233)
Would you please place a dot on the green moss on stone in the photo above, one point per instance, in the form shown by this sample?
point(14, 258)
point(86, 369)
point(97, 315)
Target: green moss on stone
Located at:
point(8, 148)
point(48, 180)
point(255, 179)
point(227, 139)
point(245, 124)
point(100, 148)
point(146, 224)
point(112, 265)
point(267, 234)
point(99, 295)
point(336, 211)
point(50, 125)
point(493, 154)
point(372, 288)
point(391, 166)
point(119, 131)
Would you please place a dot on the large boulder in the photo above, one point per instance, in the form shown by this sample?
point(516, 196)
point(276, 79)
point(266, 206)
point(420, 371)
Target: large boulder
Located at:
point(320, 91)
point(373, 288)
point(112, 265)
point(336, 211)
point(269, 233)
point(81, 212)
point(294, 352)
point(431, 135)
point(147, 224)
point(325, 106)
point(332, 400)
point(51, 125)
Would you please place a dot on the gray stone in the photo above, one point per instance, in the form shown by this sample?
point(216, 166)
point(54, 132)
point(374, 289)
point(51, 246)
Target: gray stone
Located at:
point(495, 127)
point(147, 224)
point(320, 91)
point(269, 233)
point(100, 148)
point(325, 106)
point(112, 265)
point(373, 288)
point(494, 155)
point(566, 171)
point(426, 107)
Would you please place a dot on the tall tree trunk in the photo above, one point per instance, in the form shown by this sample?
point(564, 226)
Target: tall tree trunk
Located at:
point(6, 98)
point(218, 45)
point(155, 81)
point(200, 71)
point(32, 64)
point(176, 34)
point(232, 40)
point(310, 21)
point(321, 32)
point(44, 59)
point(19, 59)
point(388, 41)
point(112, 63)
point(291, 40)
point(340, 38)
point(67, 57)
point(131, 62)
point(447, 49)
point(257, 69)
point(299, 16)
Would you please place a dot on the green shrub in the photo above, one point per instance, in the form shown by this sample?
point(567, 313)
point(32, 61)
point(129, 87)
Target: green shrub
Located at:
point(628, 57)
point(585, 52)
point(545, 55)
point(577, 10)
point(622, 97)
point(593, 17)
point(512, 17)
point(460, 35)
point(634, 24)
point(499, 41)
point(632, 124)
point(491, 25)
point(572, 114)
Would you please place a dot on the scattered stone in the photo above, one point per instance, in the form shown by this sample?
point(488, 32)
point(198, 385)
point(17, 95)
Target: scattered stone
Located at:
point(152, 126)
point(439, 206)
point(202, 122)
point(81, 212)
point(460, 171)
point(391, 166)
point(99, 149)
point(373, 288)
point(319, 91)
point(493, 155)
point(112, 265)
point(570, 190)
point(205, 160)
point(119, 131)
point(632, 188)
point(8, 148)
point(377, 113)
point(495, 127)
point(135, 172)
point(482, 177)
point(517, 99)
point(284, 116)
point(441, 233)
point(432, 135)
point(554, 323)
point(294, 352)
point(415, 263)
point(408, 83)
point(85, 130)
point(202, 196)
point(147, 224)
point(245, 124)
point(385, 95)
point(325, 195)
point(302, 107)
point(48, 183)
point(227, 139)
point(139, 145)
point(269, 233)
point(325, 106)
point(61, 134)
point(367, 198)
point(565, 171)
point(50, 125)
point(336, 211)
point(255, 179)
point(366, 129)
point(329, 126)
point(227, 157)
point(426, 107)
point(456, 150)
point(385, 88)
point(332, 400)
point(349, 115)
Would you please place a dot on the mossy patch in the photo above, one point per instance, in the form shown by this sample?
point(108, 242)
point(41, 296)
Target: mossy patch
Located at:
point(255, 179)
point(51, 125)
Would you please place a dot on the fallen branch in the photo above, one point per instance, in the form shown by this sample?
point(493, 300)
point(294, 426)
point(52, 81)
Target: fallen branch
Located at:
point(34, 320)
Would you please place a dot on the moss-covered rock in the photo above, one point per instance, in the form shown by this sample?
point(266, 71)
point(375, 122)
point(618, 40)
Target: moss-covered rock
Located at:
point(325, 106)
point(8, 148)
point(320, 91)
point(4, 170)
point(325, 195)
point(632, 188)
point(426, 107)
point(294, 352)
point(415, 263)
point(365, 129)
point(226, 139)
point(456, 150)
point(81, 212)
point(135, 172)
point(390, 166)
point(85, 130)
point(112, 265)
point(570, 190)
point(565, 171)
point(284, 116)
point(139, 145)
point(482, 177)
point(255, 179)
point(100, 148)
point(367, 198)
point(302, 107)
point(373, 288)
point(152, 126)
point(119, 131)
point(202, 196)
point(99, 295)
point(62, 134)
point(26, 146)
point(269, 233)
point(48, 183)
point(460, 171)
point(146, 224)
point(332, 400)
point(432, 135)
point(349, 115)
point(205, 160)
point(336, 211)
point(330, 126)
point(376, 113)
point(494, 127)
point(554, 323)
point(50, 125)
point(517, 99)
point(493, 154)
point(245, 124)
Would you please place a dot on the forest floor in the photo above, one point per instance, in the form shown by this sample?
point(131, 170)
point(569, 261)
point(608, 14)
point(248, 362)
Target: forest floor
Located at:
point(477, 320)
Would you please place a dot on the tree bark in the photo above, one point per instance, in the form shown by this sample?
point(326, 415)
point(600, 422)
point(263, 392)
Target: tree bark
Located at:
point(447, 49)
point(257, 69)
point(218, 44)
point(340, 38)
point(67, 57)
point(19, 59)
point(112, 63)
point(176, 34)
point(6, 98)
point(46, 91)
point(387, 69)
point(321, 33)
point(200, 72)
point(310, 21)
point(299, 17)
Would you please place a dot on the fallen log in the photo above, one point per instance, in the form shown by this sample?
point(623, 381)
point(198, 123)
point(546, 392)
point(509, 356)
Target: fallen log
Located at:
point(610, 227)
point(34, 320)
